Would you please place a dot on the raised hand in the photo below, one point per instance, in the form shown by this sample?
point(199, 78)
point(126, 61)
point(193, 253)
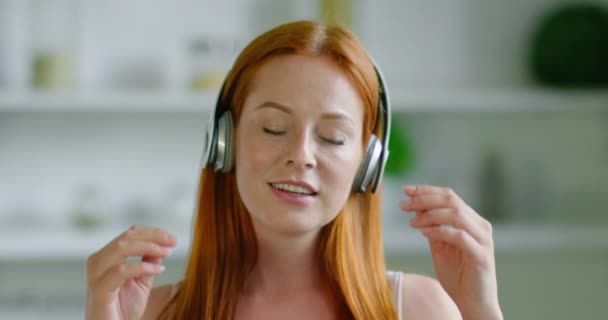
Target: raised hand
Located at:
point(461, 246)
point(120, 290)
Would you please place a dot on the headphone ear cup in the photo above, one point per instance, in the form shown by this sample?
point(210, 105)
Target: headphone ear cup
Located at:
point(379, 170)
point(224, 160)
point(369, 164)
point(210, 144)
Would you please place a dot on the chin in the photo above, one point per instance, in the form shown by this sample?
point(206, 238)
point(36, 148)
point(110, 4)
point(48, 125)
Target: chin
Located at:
point(291, 224)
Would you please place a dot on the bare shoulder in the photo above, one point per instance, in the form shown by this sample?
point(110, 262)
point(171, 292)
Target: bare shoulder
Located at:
point(159, 297)
point(424, 298)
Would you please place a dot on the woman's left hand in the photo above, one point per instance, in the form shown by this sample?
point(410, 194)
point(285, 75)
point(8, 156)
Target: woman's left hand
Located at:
point(461, 246)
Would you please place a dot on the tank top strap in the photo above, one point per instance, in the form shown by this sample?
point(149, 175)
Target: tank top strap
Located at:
point(396, 278)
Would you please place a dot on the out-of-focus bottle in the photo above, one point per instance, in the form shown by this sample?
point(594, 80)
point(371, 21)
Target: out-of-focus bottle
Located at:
point(210, 58)
point(492, 186)
point(54, 39)
point(337, 12)
point(87, 211)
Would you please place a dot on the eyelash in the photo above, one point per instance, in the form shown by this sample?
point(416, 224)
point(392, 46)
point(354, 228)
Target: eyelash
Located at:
point(278, 133)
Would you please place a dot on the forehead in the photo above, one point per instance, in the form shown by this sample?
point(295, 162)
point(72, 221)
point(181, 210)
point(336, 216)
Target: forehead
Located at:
point(305, 83)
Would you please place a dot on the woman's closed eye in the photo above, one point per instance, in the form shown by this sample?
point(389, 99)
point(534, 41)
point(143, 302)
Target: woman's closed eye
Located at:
point(275, 132)
point(333, 141)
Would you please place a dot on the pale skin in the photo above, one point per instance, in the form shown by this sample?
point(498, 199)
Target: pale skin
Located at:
point(313, 106)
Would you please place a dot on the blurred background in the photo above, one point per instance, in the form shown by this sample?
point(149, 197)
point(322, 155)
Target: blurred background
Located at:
point(103, 106)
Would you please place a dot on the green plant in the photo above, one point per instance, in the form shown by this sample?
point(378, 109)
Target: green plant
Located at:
point(401, 152)
point(570, 47)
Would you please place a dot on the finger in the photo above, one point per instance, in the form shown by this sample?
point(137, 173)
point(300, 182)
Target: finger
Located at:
point(413, 190)
point(119, 251)
point(456, 237)
point(447, 194)
point(448, 216)
point(428, 202)
point(149, 279)
point(125, 249)
point(116, 276)
point(135, 232)
point(432, 218)
point(157, 235)
point(470, 220)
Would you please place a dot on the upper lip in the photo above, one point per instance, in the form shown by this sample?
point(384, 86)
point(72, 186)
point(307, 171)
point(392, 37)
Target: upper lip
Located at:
point(298, 183)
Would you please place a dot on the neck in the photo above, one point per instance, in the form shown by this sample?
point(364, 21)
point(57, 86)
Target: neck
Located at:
point(285, 264)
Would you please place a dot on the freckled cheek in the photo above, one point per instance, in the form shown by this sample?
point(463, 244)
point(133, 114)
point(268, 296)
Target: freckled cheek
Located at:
point(341, 167)
point(255, 154)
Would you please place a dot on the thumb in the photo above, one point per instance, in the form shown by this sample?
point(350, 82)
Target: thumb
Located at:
point(148, 280)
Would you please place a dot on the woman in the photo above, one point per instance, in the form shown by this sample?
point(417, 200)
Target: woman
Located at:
point(283, 234)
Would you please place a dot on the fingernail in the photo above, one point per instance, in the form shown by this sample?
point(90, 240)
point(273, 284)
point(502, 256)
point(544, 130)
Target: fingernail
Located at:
point(410, 189)
point(161, 268)
point(171, 237)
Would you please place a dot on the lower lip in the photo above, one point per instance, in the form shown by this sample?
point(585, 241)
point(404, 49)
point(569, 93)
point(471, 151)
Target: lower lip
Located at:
point(292, 198)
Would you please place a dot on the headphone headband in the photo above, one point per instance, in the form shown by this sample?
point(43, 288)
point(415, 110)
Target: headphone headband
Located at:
point(384, 110)
point(218, 146)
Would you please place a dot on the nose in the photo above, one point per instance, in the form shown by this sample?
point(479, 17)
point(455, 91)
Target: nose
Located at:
point(301, 151)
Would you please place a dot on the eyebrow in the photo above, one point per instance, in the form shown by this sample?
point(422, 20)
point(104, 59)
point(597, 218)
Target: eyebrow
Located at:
point(280, 107)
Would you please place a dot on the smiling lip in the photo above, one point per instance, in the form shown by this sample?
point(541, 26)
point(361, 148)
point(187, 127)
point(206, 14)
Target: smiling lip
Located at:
point(292, 198)
point(297, 183)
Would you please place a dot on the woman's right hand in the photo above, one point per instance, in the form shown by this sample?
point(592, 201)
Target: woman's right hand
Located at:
point(120, 290)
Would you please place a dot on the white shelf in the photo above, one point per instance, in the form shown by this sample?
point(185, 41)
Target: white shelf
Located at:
point(501, 100)
point(67, 244)
point(107, 102)
point(436, 100)
point(18, 245)
point(517, 239)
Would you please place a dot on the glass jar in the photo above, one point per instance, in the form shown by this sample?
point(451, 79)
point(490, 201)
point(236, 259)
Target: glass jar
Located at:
point(210, 58)
point(54, 27)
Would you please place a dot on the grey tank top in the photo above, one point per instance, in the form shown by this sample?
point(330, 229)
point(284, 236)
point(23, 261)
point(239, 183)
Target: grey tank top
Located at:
point(396, 279)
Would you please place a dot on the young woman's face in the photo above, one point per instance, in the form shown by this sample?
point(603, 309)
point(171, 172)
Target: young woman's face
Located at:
point(298, 144)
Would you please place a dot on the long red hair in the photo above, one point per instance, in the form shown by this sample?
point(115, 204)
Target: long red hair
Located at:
point(224, 249)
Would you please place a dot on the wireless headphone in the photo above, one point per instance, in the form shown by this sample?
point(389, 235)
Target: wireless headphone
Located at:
point(218, 151)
